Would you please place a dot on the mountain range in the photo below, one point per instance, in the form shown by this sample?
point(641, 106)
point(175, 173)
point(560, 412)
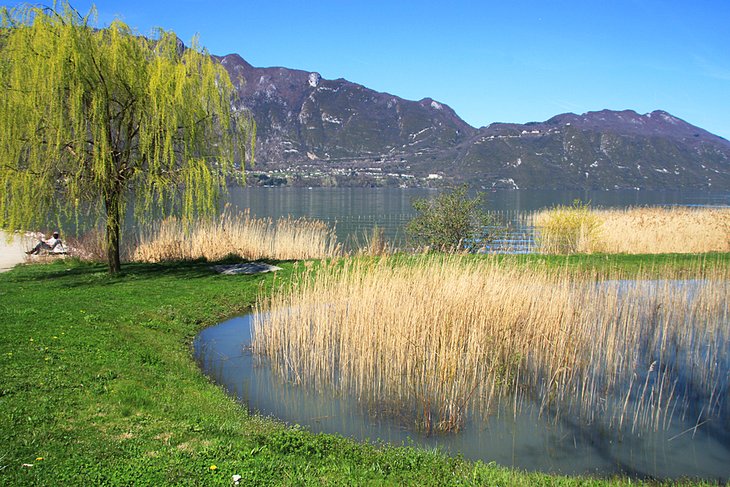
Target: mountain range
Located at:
point(317, 132)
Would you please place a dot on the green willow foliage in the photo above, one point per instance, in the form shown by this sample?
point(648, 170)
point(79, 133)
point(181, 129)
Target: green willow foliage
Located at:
point(92, 118)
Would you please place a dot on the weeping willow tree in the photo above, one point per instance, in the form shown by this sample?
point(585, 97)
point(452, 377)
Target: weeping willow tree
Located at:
point(96, 119)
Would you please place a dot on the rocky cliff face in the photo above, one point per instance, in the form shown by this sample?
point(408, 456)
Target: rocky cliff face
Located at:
point(317, 131)
point(599, 150)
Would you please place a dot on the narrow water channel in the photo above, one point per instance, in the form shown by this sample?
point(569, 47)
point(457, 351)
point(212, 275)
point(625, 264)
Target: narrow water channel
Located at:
point(511, 438)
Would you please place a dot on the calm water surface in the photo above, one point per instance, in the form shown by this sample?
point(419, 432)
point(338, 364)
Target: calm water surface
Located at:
point(522, 440)
point(354, 211)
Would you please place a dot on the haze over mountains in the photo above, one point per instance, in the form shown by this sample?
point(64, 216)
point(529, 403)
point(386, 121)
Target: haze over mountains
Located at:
point(313, 131)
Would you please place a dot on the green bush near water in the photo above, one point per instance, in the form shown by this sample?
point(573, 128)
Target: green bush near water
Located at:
point(452, 222)
point(99, 387)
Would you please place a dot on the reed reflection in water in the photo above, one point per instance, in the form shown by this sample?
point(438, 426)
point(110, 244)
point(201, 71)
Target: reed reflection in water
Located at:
point(525, 441)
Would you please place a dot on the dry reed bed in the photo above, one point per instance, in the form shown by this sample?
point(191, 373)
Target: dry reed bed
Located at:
point(441, 339)
point(633, 230)
point(236, 234)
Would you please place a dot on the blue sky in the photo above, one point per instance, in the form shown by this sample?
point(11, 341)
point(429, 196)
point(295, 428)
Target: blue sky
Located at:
point(490, 61)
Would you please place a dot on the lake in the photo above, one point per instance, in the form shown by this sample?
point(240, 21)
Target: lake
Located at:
point(524, 440)
point(355, 211)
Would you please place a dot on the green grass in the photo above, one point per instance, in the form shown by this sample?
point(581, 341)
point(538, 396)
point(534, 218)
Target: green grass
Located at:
point(647, 264)
point(98, 380)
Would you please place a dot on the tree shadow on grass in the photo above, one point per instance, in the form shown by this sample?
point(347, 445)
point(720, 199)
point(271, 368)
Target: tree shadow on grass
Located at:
point(77, 273)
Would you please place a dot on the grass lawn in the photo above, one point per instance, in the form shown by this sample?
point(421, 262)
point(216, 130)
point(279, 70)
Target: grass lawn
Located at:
point(99, 387)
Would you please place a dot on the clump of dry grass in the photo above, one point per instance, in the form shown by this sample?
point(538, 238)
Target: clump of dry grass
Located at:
point(441, 339)
point(91, 246)
point(662, 230)
point(567, 229)
point(375, 244)
point(633, 230)
point(236, 234)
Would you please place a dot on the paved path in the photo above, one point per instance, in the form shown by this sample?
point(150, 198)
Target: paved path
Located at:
point(11, 253)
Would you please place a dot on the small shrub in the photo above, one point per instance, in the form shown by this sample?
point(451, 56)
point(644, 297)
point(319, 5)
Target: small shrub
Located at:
point(452, 222)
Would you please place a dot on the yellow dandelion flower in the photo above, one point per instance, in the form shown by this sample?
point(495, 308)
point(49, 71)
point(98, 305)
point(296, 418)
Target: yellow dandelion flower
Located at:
point(213, 467)
point(38, 459)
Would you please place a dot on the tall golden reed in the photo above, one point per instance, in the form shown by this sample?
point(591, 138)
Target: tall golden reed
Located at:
point(633, 230)
point(438, 339)
point(237, 234)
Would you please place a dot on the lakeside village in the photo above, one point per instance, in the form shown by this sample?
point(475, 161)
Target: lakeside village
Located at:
point(304, 175)
point(365, 174)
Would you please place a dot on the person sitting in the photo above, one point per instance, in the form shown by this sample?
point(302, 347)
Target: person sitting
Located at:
point(49, 245)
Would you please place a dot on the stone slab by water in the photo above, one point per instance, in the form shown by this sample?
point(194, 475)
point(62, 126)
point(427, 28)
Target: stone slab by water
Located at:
point(246, 268)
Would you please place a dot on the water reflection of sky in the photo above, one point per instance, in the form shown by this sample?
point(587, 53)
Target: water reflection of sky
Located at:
point(523, 440)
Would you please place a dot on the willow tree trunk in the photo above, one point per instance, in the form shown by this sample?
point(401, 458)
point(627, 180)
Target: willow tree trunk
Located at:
point(113, 204)
point(122, 116)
